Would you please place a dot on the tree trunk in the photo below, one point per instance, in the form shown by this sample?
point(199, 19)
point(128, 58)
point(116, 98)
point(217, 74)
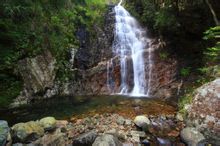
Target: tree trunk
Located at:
point(213, 12)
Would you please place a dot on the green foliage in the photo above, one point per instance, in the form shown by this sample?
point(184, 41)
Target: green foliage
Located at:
point(165, 18)
point(144, 10)
point(183, 101)
point(184, 72)
point(29, 27)
point(213, 53)
point(9, 89)
point(163, 55)
point(161, 19)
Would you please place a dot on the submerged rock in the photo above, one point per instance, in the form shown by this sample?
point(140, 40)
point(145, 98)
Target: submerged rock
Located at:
point(142, 121)
point(191, 136)
point(26, 132)
point(4, 132)
point(164, 142)
point(48, 123)
point(107, 140)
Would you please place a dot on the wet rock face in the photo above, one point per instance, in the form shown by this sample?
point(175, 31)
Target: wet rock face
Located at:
point(94, 49)
point(204, 111)
point(164, 72)
point(89, 69)
point(38, 74)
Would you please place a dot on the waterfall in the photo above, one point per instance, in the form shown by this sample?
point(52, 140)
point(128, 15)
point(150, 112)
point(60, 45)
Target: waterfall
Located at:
point(131, 44)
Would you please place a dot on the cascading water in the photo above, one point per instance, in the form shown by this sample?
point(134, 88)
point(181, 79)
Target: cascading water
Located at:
point(130, 44)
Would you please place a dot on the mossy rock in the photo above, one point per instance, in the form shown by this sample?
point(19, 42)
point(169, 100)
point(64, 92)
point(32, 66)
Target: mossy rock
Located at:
point(26, 132)
point(4, 131)
point(48, 123)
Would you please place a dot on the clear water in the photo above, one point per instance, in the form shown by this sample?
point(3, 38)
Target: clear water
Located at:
point(130, 44)
point(84, 106)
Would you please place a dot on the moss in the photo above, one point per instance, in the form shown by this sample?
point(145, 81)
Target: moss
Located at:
point(183, 101)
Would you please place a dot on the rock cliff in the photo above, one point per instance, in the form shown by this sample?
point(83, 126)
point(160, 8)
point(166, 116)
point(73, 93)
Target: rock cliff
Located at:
point(89, 68)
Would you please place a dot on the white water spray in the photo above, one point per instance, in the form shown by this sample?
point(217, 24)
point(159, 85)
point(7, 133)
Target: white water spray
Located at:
point(129, 44)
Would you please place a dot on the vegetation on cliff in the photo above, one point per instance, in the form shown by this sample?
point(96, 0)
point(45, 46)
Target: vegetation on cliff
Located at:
point(191, 32)
point(29, 27)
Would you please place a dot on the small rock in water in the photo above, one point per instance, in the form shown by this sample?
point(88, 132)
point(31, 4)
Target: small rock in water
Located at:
point(138, 133)
point(164, 142)
point(112, 131)
point(48, 123)
point(163, 117)
point(145, 142)
point(122, 135)
point(142, 121)
point(107, 140)
point(191, 136)
point(128, 122)
point(120, 120)
point(179, 117)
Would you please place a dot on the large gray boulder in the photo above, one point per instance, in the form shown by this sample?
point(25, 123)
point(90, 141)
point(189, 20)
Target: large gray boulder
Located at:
point(4, 132)
point(203, 113)
point(85, 139)
point(107, 140)
point(142, 121)
point(191, 136)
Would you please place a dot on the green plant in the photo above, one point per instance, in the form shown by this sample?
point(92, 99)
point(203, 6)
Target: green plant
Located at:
point(163, 55)
point(184, 72)
point(183, 101)
point(213, 53)
point(9, 89)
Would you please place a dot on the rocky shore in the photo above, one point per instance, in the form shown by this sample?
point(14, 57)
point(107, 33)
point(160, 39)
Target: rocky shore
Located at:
point(134, 122)
point(101, 130)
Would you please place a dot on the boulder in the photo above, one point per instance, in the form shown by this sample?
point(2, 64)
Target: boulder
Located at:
point(4, 132)
point(203, 112)
point(85, 139)
point(38, 75)
point(56, 138)
point(142, 121)
point(137, 135)
point(107, 140)
point(191, 136)
point(48, 123)
point(26, 132)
